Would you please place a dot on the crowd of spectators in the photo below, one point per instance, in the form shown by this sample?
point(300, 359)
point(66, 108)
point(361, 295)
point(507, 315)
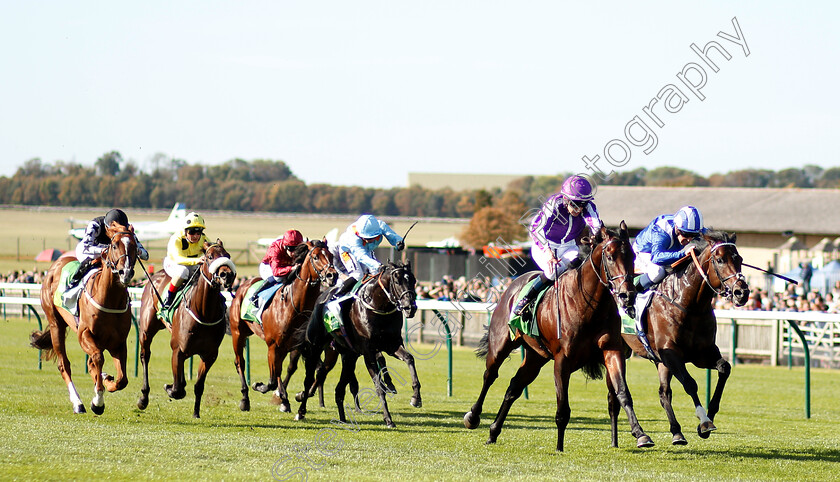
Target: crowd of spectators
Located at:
point(460, 289)
point(794, 298)
point(22, 277)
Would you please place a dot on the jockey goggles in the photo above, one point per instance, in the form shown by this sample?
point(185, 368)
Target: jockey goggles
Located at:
point(579, 205)
point(194, 231)
point(686, 234)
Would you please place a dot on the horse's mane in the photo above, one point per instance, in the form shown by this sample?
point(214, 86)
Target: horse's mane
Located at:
point(715, 236)
point(300, 252)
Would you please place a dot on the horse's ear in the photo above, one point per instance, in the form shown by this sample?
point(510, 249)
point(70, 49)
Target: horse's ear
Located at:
point(622, 228)
point(205, 246)
point(219, 242)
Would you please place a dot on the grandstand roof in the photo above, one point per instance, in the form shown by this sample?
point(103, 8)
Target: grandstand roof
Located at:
point(758, 210)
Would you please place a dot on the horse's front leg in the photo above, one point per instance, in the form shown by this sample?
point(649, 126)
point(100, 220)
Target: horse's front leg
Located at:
point(177, 390)
point(95, 362)
point(373, 370)
point(348, 368)
point(527, 372)
point(676, 365)
point(120, 381)
point(619, 395)
point(405, 356)
point(723, 367)
point(207, 361)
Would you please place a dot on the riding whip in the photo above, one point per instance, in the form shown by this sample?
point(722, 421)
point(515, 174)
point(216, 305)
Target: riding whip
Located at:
point(155, 291)
point(405, 235)
point(789, 280)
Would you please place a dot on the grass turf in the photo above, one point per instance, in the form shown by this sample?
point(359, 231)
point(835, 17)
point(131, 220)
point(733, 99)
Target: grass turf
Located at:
point(762, 431)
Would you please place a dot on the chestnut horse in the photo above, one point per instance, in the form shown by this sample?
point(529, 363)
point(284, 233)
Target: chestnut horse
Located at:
point(584, 299)
point(373, 322)
point(681, 325)
point(197, 322)
point(104, 318)
point(288, 312)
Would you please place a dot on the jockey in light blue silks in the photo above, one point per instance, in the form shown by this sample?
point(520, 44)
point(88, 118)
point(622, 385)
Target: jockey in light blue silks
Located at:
point(664, 241)
point(354, 257)
point(555, 229)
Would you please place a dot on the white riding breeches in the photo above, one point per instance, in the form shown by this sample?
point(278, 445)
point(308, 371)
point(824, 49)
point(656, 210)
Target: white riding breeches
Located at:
point(565, 254)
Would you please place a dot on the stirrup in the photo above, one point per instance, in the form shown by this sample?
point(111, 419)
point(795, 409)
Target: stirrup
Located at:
point(520, 307)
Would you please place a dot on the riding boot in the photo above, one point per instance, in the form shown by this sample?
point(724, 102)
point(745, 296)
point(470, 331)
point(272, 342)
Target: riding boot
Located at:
point(168, 299)
point(642, 283)
point(269, 282)
point(538, 286)
point(335, 305)
point(84, 267)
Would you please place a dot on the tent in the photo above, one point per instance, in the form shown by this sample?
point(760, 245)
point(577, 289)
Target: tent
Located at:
point(824, 278)
point(50, 254)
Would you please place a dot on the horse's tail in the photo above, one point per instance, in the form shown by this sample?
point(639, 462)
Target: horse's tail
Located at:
point(484, 344)
point(593, 369)
point(42, 340)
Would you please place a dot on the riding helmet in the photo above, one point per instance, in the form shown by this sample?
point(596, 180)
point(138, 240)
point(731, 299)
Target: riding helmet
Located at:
point(688, 220)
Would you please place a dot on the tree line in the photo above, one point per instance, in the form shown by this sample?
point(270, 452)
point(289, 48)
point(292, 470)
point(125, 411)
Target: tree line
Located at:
point(271, 186)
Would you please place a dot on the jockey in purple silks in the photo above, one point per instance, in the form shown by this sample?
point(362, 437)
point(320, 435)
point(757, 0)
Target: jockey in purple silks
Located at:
point(664, 241)
point(555, 229)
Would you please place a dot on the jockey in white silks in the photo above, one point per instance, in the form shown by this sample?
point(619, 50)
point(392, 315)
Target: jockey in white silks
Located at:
point(555, 229)
point(354, 254)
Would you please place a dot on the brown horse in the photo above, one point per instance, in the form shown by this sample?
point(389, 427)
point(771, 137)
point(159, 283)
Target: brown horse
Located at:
point(288, 311)
point(197, 323)
point(681, 325)
point(373, 322)
point(591, 336)
point(104, 318)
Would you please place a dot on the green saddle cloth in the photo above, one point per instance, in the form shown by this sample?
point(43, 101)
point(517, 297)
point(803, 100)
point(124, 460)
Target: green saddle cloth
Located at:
point(67, 271)
point(526, 322)
point(628, 325)
point(333, 323)
point(248, 310)
point(166, 314)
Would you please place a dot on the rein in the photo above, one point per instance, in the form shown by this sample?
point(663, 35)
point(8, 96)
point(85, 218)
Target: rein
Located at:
point(725, 292)
point(321, 273)
point(213, 283)
point(393, 301)
point(610, 279)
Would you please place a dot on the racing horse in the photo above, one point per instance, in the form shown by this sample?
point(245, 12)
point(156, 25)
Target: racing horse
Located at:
point(197, 326)
point(287, 313)
point(681, 324)
point(585, 300)
point(104, 318)
point(373, 324)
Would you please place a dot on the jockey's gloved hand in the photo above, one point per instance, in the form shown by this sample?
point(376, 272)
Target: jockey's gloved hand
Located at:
point(688, 249)
point(400, 246)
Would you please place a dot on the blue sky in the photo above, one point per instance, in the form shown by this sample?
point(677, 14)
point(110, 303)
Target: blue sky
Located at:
point(365, 92)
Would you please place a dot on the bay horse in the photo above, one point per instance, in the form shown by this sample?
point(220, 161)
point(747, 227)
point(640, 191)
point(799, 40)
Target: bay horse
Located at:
point(104, 318)
point(197, 326)
point(681, 324)
point(288, 312)
point(373, 323)
point(584, 299)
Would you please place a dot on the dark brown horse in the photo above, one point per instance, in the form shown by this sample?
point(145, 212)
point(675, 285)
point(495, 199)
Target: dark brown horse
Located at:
point(590, 336)
point(287, 313)
point(681, 325)
point(373, 322)
point(198, 322)
point(104, 318)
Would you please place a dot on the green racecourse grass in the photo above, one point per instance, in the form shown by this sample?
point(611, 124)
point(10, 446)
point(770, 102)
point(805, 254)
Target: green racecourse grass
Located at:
point(28, 231)
point(762, 433)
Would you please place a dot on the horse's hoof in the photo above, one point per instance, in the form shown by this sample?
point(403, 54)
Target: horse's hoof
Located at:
point(196, 415)
point(142, 403)
point(471, 421)
point(79, 409)
point(97, 410)
point(644, 442)
point(285, 407)
point(415, 402)
point(300, 417)
point(390, 425)
point(245, 405)
point(679, 439)
point(490, 441)
point(175, 394)
point(261, 387)
point(390, 388)
point(299, 397)
point(705, 429)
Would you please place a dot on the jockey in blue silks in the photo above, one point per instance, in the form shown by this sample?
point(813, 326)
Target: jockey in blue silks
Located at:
point(664, 241)
point(354, 253)
point(555, 229)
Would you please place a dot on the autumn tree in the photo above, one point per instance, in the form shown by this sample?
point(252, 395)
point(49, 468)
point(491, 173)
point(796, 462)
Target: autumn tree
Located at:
point(490, 224)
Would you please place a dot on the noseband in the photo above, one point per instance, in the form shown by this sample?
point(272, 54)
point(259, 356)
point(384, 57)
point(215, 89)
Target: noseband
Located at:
point(610, 280)
point(726, 291)
point(320, 273)
point(216, 282)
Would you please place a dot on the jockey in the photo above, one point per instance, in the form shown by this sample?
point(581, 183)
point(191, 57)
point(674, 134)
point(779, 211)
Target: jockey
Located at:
point(96, 240)
point(278, 261)
point(664, 241)
point(355, 255)
point(555, 229)
point(183, 254)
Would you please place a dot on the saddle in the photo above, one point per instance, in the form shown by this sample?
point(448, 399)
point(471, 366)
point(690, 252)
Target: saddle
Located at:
point(526, 322)
point(253, 311)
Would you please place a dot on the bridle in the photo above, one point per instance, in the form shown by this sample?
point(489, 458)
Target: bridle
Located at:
point(216, 282)
point(111, 264)
point(726, 291)
point(610, 280)
point(394, 299)
point(320, 273)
